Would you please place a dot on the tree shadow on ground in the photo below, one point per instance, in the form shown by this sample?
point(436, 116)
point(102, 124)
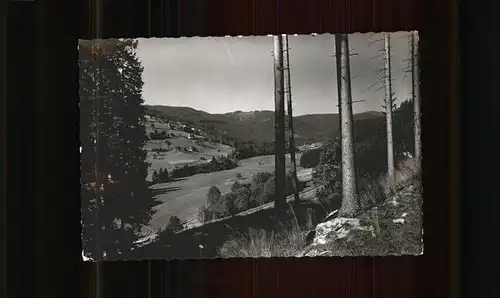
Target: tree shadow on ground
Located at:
point(178, 179)
point(186, 244)
point(161, 191)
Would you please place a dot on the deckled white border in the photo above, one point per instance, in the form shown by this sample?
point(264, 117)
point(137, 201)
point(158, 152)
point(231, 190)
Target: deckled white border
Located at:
point(148, 238)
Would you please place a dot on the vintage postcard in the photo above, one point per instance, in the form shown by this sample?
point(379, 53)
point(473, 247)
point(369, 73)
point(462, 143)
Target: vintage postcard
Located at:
point(249, 147)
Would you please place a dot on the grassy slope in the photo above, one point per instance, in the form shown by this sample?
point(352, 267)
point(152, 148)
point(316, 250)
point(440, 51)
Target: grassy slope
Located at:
point(185, 196)
point(173, 158)
point(392, 238)
point(400, 237)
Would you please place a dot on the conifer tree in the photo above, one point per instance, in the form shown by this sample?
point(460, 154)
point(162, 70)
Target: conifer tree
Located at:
point(350, 200)
point(116, 199)
point(279, 128)
point(155, 177)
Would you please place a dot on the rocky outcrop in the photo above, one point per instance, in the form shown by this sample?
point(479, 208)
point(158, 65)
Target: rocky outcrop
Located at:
point(392, 228)
point(332, 230)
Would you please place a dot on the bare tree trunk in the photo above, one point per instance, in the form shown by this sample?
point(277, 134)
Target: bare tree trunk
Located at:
point(388, 110)
point(350, 201)
point(279, 118)
point(291, 142)
point(415, 70)
point(339, 83)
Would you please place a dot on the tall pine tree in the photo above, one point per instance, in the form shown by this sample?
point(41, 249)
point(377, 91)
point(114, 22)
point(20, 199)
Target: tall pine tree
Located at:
point(116, 200)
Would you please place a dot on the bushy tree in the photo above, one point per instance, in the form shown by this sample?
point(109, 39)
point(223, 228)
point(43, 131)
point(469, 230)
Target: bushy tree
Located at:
point(261, 178)
point(116, 200)
point(155, 177)
point(236, 185)
point(327, 174)
point(217, 205)
point(158, 135)
point(163, 175)
point(269, 190)
point(310, 158)
point(371, 152)
point(213, 165)
point(250, 149)
point(371, 155)
point(242, 199)
point(204, 214)
point(214, 195)
point(175, 224)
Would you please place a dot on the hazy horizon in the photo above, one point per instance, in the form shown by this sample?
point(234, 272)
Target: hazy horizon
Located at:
point(221, 75)
point(333, 113)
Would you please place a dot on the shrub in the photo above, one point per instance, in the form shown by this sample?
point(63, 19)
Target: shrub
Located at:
point(184, 171)
point(204, 214)
point(269, 190)
point(160, 176)
point(228, 206)
point(213, 166)
point(163, 175)
point(236, 185)
point(286, 242)
point(250, 149)
point(222, 208)
point(175, 224)
point(256, 193)
point(408, 171)
point(310, 158)
point(227, 163)
point(243, 196)
point(327, 174)
point(159, 150)
point(158, 135)
point(261, 178)
point(155, 177)
point(218, 205)
point(242, 199)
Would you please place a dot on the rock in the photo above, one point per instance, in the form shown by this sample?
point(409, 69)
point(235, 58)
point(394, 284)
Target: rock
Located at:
point(394, 201)
point(326, 253)
point(338, 228)
point(312, 253)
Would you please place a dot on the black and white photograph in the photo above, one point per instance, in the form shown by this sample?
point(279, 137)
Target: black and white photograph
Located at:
point(250, 146)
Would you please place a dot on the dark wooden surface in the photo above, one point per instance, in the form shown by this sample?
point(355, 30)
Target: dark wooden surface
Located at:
point(54, 248)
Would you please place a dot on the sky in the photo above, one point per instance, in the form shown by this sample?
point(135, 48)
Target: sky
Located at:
point(227, 74)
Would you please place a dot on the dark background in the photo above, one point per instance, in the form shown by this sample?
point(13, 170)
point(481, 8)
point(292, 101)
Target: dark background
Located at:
point(41, 253)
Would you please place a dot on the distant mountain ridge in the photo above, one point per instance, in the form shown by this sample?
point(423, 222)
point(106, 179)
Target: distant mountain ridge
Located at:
point(258, 126)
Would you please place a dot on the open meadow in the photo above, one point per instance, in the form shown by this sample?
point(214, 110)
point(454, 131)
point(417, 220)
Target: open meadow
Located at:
point(183, 197)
